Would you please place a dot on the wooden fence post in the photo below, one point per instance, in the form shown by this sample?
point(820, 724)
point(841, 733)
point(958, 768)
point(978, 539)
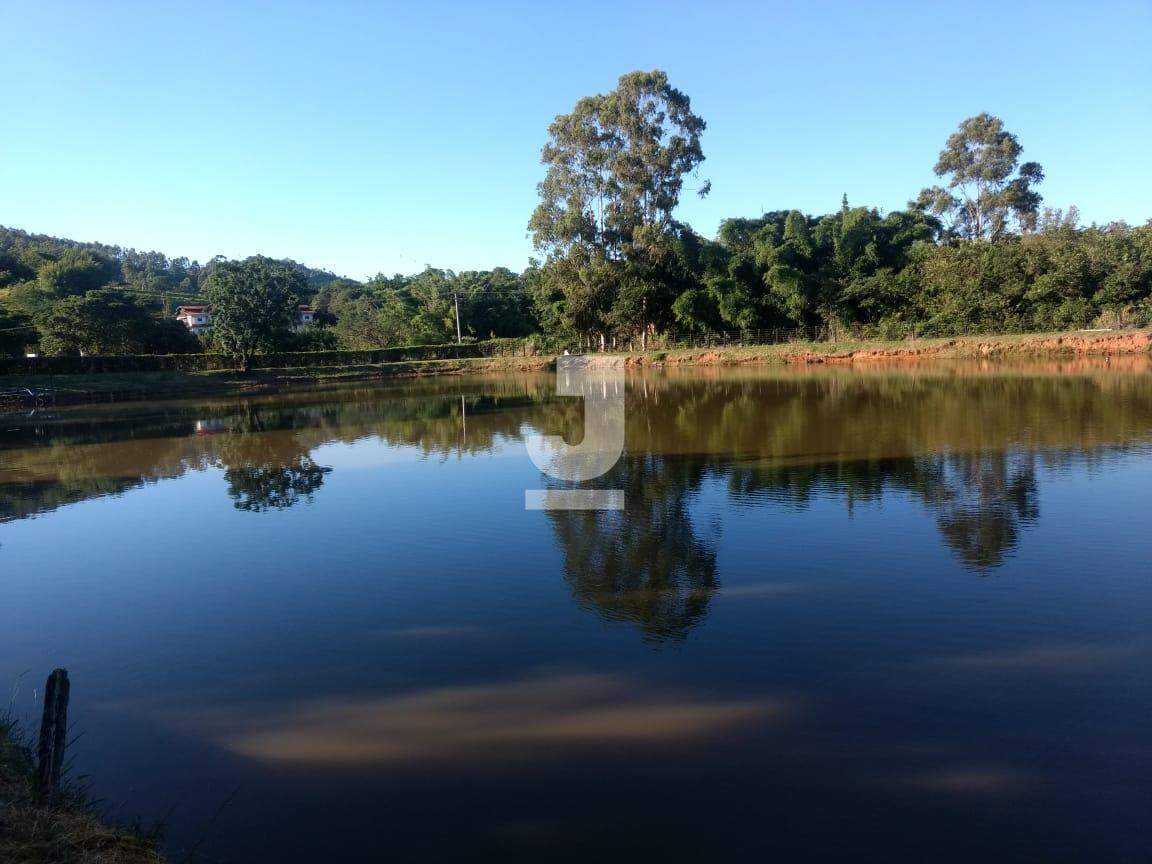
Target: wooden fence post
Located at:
point(53, 737)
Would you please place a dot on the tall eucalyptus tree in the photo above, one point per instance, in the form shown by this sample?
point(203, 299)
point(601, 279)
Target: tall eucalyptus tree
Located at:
point(988, 191)
point(615, 170)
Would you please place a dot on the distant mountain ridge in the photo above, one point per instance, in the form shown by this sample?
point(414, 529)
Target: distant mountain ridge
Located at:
point(25, 256)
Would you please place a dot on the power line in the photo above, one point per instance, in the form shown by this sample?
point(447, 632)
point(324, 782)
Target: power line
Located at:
point(157, 292)
point(448, 293)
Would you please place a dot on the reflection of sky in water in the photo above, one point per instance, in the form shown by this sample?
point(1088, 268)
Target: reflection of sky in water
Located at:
point(783, 649)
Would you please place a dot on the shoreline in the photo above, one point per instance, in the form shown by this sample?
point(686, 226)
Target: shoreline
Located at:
point(107, 387)
point(132, 386)
point(1032, 346)
point(69, 831)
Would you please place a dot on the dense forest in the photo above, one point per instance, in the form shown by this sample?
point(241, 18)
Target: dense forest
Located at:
point(977, 253)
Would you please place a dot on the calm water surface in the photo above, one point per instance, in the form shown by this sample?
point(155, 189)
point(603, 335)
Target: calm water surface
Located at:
point(846, 615)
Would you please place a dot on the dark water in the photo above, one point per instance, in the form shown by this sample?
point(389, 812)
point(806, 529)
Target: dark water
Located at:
point(899, 616)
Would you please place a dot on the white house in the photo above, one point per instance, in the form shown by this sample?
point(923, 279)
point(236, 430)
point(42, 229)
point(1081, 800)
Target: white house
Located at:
point(199, 320)
point(305, 315)
point(196, 318)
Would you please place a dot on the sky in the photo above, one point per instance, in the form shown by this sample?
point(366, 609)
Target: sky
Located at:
point(384, 137)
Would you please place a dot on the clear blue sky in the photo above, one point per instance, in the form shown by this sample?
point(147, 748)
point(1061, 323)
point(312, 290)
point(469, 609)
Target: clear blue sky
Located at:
point(368, 137)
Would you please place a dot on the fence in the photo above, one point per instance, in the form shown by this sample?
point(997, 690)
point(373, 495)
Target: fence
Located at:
point(279, 360)
point(769, 336)
point(512, 347)
point(892, 331)
point(763, 336)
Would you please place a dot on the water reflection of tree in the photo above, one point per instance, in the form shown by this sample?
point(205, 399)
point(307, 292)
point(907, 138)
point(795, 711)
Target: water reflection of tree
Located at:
point(981, 501)
point(274, 487)
point(60, 460)
point(266, 465)
point(844, 434)
point(646, 564)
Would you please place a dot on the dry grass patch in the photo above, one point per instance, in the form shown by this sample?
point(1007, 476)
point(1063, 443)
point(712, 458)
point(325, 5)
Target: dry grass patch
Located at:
point(68, 833)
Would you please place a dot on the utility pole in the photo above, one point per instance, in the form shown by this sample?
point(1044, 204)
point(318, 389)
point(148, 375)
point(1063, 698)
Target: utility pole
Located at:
point(456, 300)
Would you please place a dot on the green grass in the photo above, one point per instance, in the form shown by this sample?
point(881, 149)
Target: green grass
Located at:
point(121, 386)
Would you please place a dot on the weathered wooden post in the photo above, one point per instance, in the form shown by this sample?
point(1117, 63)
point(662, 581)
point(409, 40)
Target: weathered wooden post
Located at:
point(53, 737)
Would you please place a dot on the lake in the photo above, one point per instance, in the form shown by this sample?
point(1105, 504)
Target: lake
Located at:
point(845, 614)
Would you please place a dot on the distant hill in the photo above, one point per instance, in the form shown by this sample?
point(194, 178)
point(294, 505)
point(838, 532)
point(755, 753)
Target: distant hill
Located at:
point(70, 266)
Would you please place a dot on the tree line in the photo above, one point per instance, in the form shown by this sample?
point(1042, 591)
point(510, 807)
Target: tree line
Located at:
point(976, 252)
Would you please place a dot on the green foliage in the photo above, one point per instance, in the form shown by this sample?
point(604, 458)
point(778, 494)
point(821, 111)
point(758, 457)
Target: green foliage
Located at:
point(313, 338)
point(786, 269)
point(974, 255)
point(75, 272)
point(70, 267)
point(37, 272)
point(982, 197)
point(169, 336)
point(615, 170)
point(105, 321)
point(253, 305)
point(1048, 281)
point(420, 309)
point(16, 333)
point(494, 303)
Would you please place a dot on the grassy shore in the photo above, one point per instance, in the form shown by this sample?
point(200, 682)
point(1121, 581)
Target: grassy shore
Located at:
point(107, 387)
point(126, 386)
point(66, 833)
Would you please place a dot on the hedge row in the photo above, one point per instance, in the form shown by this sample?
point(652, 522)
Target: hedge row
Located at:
point(216, 362)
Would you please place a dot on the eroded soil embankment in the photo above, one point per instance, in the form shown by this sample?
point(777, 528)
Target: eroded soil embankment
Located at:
point(1079, 344)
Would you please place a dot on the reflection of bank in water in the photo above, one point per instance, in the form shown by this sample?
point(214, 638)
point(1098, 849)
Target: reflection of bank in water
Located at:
point(24, 398)
point(982, 502)
point(211, 426)
point(967, 446)
point(651, 565)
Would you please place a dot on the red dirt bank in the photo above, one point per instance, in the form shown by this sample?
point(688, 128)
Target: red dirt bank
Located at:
point(1073, 344)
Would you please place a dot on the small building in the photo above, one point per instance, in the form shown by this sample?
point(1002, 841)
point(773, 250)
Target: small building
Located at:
point(305, 315)
point(213, 426)
point(196, 318)
point(199, 320)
